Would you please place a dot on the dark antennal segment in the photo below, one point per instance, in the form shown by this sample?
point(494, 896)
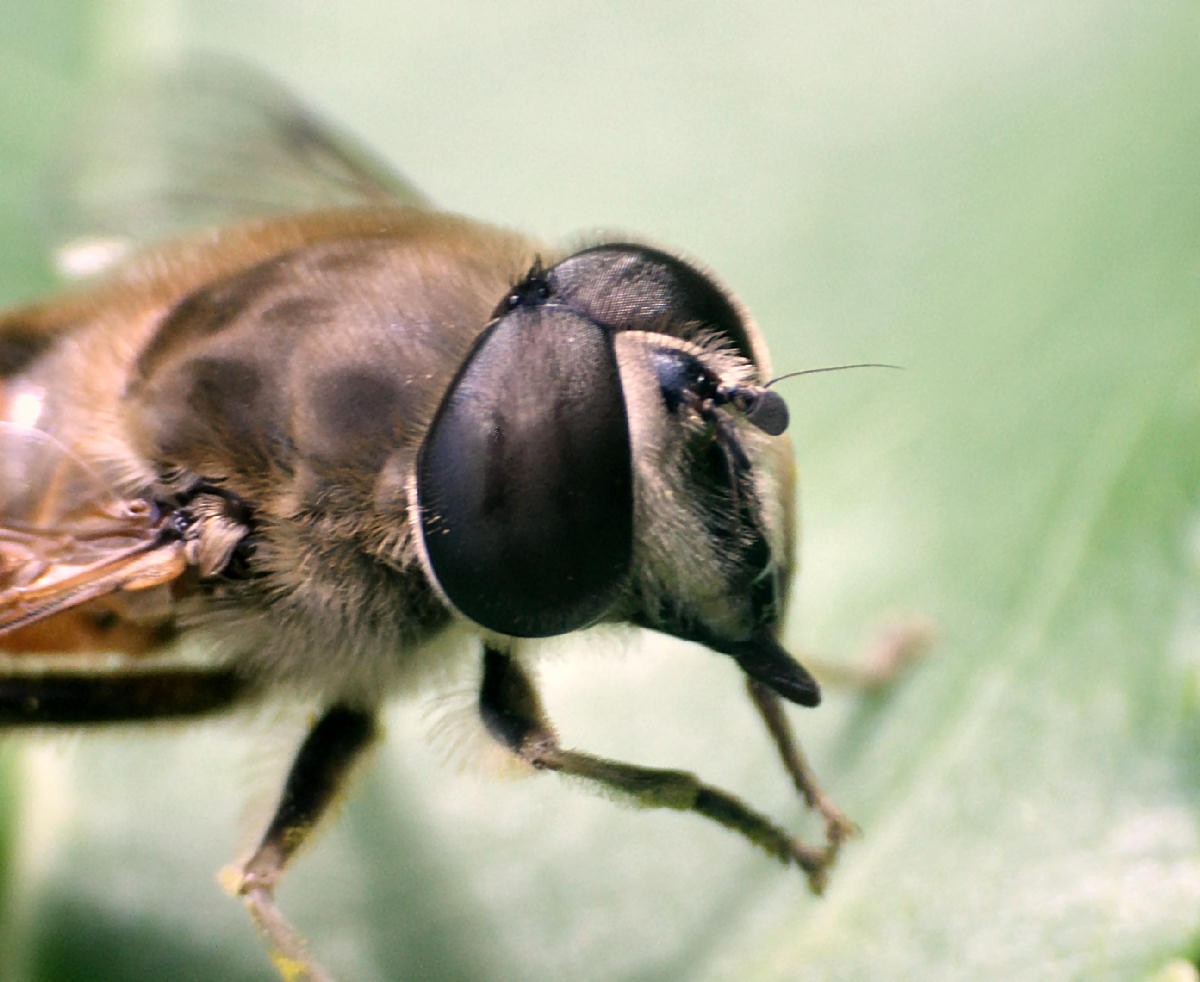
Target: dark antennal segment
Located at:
point(765, 409)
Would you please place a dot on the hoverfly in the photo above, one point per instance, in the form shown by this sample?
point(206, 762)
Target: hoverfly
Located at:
point(345, 434)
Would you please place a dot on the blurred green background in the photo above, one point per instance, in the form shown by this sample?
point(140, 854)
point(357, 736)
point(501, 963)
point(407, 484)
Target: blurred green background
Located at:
point(1003, 197)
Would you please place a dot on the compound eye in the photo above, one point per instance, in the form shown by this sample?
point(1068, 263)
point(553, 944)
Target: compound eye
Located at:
point(631, 287)
point(525, 478)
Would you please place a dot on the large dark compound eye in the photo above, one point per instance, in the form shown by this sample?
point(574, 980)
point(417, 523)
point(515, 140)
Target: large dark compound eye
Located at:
point(632, 287)
point(525, 478)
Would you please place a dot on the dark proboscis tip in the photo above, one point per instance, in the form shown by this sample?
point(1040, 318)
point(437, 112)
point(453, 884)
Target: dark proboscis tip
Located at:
point(765, 661)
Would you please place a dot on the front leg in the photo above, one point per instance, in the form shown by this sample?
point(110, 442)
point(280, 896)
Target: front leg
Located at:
point(838, 828)
point(334, 744)
point(513, 714)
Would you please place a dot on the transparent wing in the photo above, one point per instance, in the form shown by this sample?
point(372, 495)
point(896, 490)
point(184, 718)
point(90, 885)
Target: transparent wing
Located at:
point(202, 144)
point(67, 540)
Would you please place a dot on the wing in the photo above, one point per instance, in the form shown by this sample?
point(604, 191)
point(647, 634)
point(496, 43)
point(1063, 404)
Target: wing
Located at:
point(66, 544)
point(203, 144)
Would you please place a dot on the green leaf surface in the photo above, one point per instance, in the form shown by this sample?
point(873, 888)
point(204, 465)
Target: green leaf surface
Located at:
point(1002, 197)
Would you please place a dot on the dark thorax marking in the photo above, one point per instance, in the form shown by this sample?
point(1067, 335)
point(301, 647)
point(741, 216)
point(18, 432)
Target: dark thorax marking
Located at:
point(207, 312)
point(20, 346)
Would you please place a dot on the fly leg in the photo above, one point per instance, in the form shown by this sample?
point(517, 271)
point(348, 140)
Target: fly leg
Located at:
point(334, 744)
point(894, 649)
point(82, 698)
point(512, 712)
point(838, 828)
point(903, 643)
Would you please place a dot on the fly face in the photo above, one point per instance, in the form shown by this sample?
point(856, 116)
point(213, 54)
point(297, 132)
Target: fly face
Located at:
point(340, 441)
point(604, 454)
